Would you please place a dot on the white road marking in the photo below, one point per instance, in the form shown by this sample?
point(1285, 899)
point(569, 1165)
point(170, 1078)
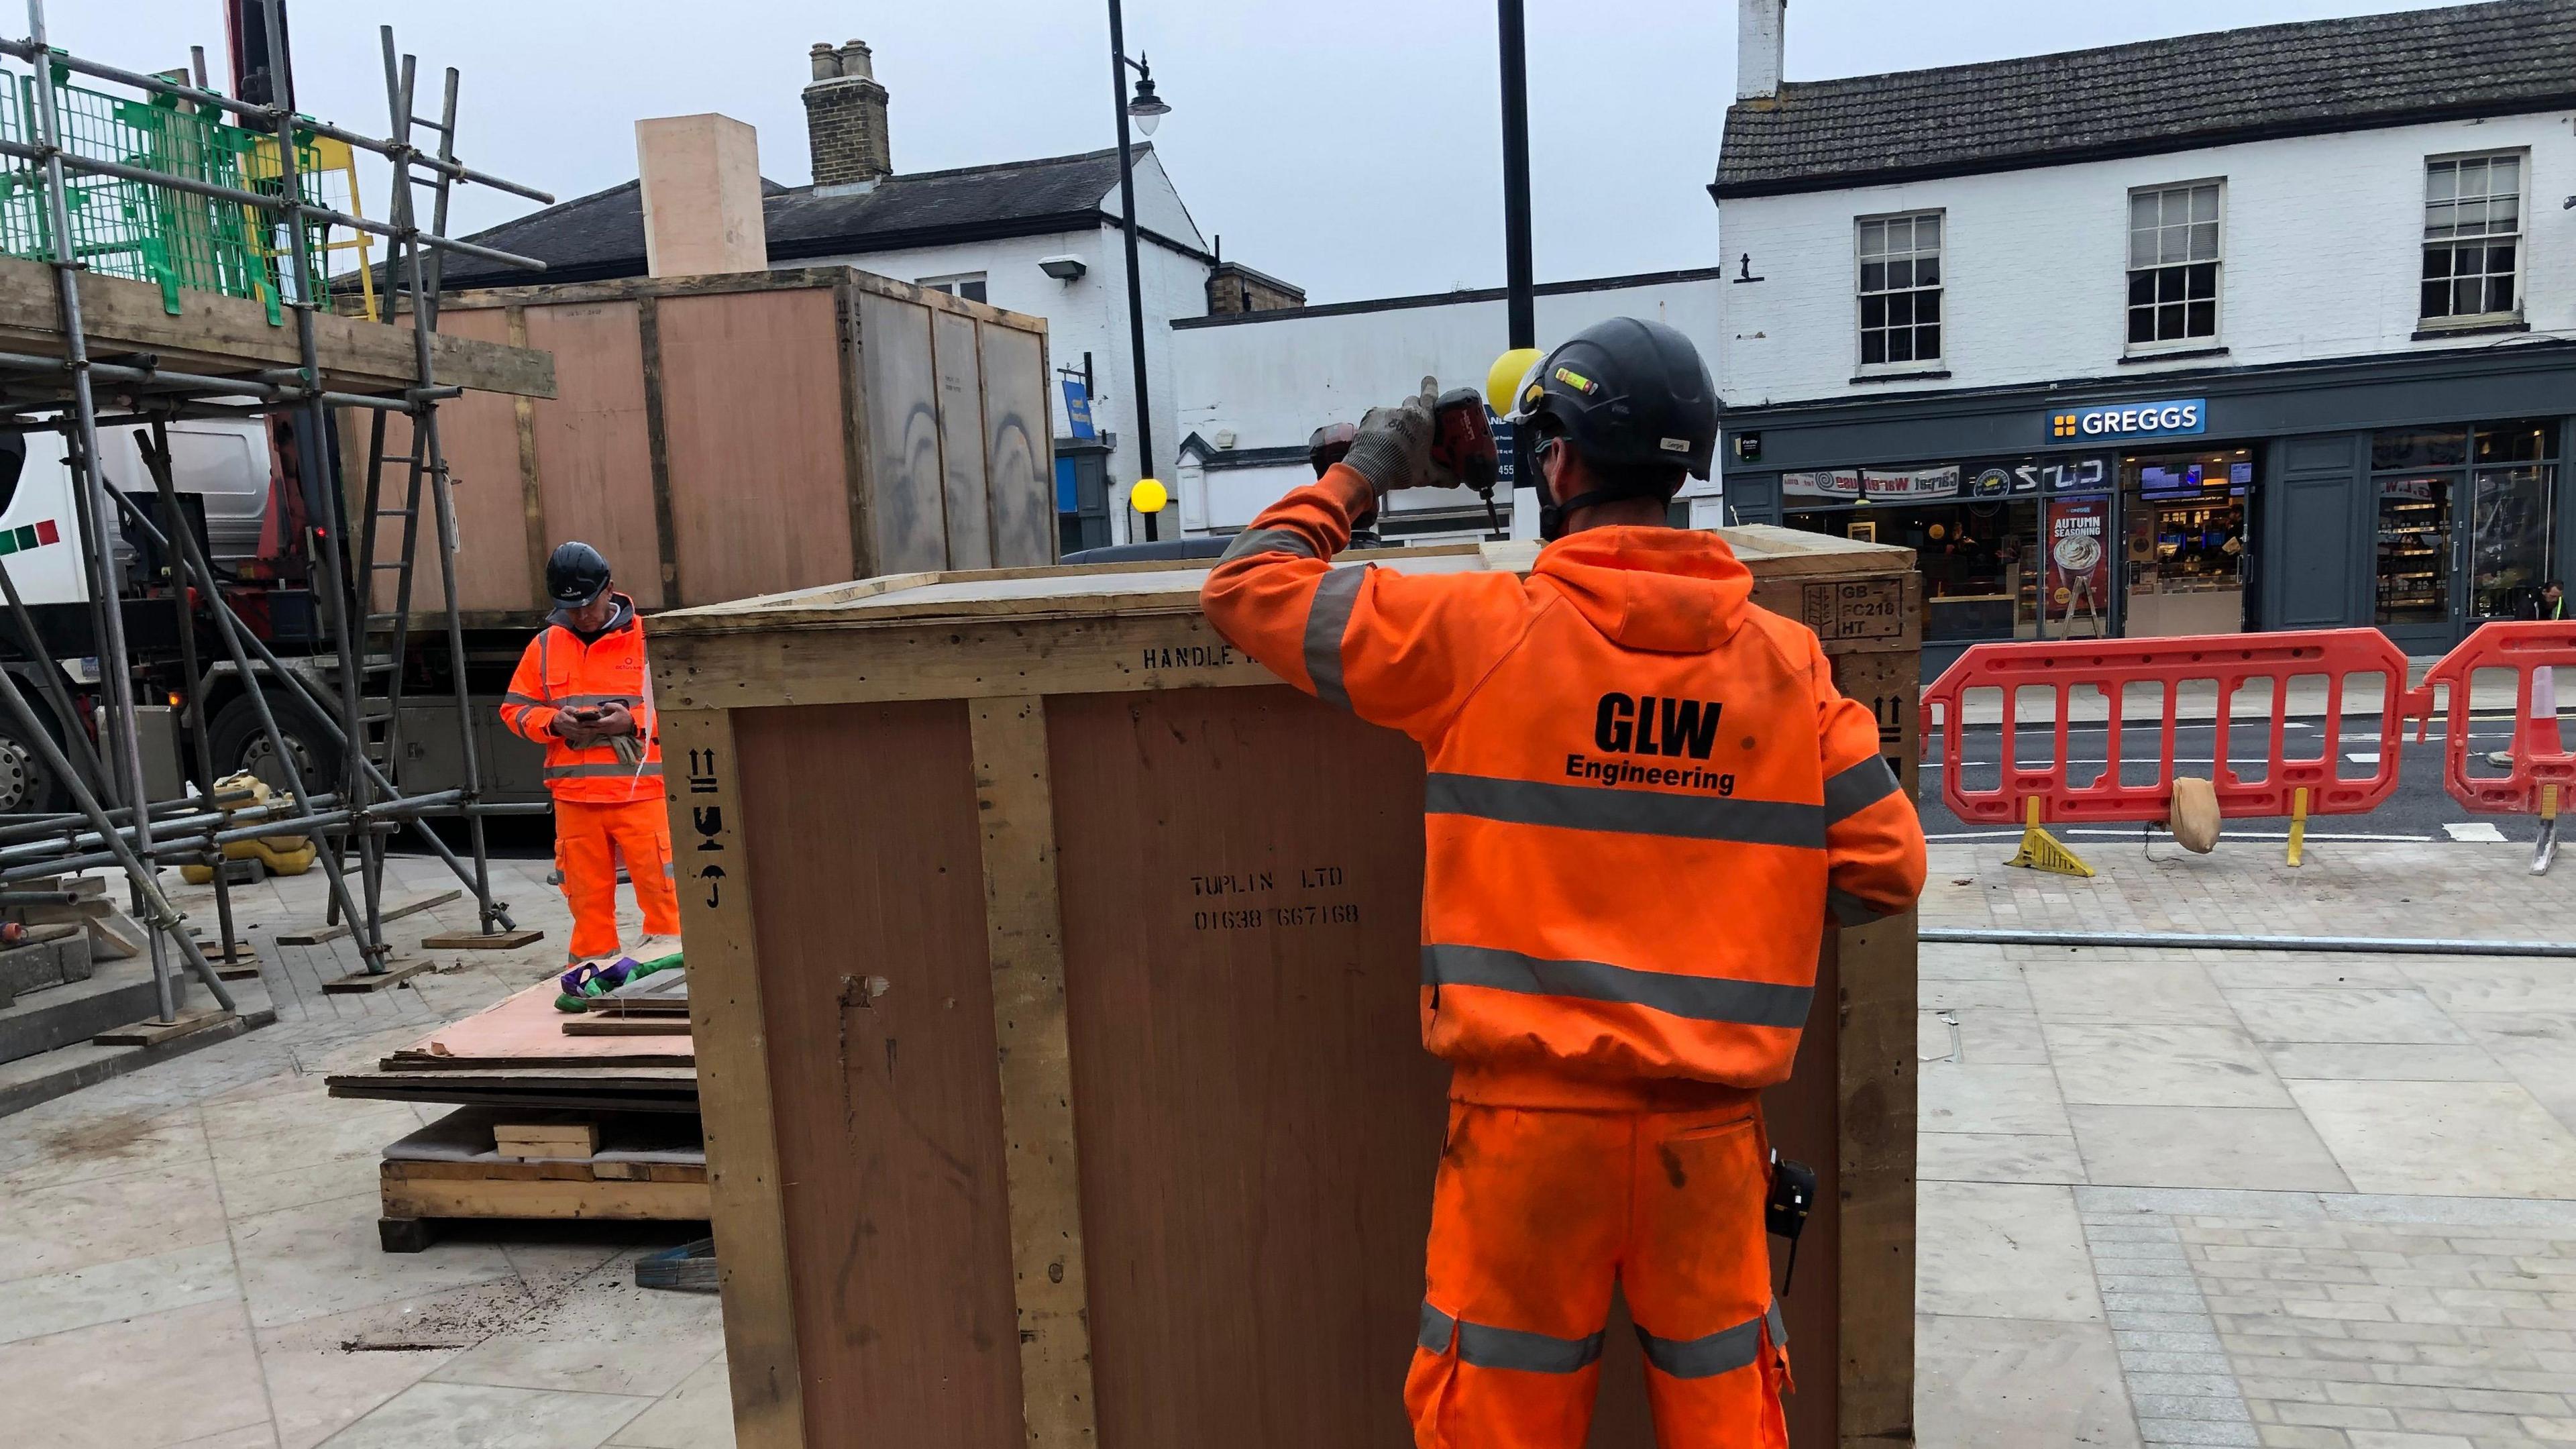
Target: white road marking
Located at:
point(2473, 830)
point(2362, 757)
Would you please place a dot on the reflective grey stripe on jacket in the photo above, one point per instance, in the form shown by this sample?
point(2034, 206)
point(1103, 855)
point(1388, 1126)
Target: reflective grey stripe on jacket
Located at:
point(1724, 1351)
point(652, 770)
point(1856, 789)
point(1327, 620)
point(1699, 998)
point(1507, 1348)
point(1266, 540)
point(1627, 812)
point(1851, 910)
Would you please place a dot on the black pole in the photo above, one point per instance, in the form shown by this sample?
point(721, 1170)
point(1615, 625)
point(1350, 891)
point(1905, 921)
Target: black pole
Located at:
point(1516, 186)
point(1135, 284)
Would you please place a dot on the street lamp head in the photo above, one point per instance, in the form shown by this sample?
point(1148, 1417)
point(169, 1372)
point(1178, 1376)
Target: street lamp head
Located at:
point(1147, 109)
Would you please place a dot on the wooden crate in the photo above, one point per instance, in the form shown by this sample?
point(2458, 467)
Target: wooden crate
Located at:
point(725, 436)
point(1016, 1136)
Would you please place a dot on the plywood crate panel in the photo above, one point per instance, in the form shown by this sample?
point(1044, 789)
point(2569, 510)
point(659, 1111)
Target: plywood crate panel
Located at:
point(1053, 975)
point(725, 436)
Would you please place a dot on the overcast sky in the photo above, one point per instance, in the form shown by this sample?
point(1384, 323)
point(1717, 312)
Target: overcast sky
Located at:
point(1351, 146)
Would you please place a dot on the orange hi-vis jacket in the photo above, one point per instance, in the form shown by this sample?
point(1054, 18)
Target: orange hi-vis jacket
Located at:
point(560, 672)
point(1645, 797)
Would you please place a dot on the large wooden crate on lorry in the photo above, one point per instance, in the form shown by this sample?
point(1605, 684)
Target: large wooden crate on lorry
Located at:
point(1053, 972)
point(725, 436)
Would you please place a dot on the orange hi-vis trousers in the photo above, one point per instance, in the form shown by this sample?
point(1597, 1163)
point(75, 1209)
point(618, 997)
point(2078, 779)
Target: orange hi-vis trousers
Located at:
point(1537, 1214)
point(589, 840)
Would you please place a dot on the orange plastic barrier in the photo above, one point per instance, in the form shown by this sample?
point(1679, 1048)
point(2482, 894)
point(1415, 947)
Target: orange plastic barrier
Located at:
point(2534, 650)
point(2229, 662)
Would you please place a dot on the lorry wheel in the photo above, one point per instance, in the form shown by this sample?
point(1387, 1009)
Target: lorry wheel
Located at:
point(240, 744)
point(27, 787)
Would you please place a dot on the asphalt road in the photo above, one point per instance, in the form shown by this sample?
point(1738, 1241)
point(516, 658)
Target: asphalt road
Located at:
point(2418, 810)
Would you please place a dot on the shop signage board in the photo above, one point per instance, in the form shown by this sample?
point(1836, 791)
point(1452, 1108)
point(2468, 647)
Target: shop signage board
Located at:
point(1911, 484)
point(2174, 418)
point(1877, 485)
point(2031, 476)
point(1838, 485)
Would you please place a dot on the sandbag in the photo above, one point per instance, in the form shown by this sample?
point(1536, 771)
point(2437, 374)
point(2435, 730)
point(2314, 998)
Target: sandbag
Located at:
point(2193, 814)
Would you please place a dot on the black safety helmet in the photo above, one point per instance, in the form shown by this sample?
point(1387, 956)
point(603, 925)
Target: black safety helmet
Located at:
point(576, 573)
point(1634, 401)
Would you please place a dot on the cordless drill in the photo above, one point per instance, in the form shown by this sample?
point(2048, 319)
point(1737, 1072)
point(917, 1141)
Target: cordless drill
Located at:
point(1462, 442)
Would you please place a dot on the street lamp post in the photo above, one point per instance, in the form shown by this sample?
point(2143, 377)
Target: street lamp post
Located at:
point(1148, 110)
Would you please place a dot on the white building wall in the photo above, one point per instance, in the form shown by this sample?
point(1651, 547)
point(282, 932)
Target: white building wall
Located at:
point(2320, 257)
point(1088, 314)
point(1272, 381)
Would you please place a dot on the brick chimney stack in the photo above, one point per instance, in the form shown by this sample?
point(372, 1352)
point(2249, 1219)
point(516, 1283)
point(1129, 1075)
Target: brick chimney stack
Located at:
point(845, 117)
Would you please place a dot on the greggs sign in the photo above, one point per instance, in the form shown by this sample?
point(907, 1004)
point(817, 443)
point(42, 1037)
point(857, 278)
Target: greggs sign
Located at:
point(2177, 418)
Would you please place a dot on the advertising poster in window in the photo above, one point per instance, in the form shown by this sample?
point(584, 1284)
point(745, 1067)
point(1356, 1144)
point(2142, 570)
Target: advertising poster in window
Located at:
point(2079, 555)
point(1910, 485)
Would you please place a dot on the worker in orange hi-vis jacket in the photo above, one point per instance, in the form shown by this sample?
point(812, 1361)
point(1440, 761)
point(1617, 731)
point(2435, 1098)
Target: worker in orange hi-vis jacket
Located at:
point(1645, 801)
point(581, 691)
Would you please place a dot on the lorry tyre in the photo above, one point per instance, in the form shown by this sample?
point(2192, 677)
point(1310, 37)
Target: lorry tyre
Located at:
point(240, 744)
point(27, 785)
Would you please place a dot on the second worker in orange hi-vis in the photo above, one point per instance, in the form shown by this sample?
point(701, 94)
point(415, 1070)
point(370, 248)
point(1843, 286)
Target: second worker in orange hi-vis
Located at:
point(1645, 801)
point(580, 691)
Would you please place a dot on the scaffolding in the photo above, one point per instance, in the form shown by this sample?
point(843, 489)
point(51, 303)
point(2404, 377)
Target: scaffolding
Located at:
point(180, 185)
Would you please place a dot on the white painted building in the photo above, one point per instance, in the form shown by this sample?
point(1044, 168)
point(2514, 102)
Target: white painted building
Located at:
point(1041, 237)
point(2338, 248)
point(1254, 386)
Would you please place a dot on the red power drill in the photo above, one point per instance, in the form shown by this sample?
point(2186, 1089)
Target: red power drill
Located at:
point(1463, 443)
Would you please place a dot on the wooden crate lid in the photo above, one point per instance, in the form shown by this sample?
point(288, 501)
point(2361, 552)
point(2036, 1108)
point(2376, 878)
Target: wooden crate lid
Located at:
point(1172, 586)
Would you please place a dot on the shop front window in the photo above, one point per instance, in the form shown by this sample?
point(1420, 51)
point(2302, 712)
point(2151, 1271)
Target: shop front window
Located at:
point(2414, 549)
point(2509, 539)
point(2467, 521)
point(2186, 548)
point(1979, 556)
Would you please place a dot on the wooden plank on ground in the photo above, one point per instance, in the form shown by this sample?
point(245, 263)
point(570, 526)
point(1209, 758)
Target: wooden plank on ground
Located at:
point(153, 1033)
point(358, 983)
point(1024, 937)
point(480, 940)
point(396, 912)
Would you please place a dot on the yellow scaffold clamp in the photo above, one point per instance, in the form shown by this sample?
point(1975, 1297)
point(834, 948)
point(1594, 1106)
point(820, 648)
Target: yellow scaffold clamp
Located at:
point(2043, 851)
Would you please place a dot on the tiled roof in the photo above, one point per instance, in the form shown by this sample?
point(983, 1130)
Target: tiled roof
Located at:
point(2154, 96)
point(601, 235)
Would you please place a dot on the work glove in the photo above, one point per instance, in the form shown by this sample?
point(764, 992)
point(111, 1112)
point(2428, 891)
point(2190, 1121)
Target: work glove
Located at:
point(1393, 449)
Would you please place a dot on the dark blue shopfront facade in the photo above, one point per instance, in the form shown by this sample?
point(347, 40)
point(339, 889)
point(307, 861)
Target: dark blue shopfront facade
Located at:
point(2421, 493)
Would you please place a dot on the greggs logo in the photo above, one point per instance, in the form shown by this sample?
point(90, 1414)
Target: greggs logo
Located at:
point(1646, 725)
point(2130, 420)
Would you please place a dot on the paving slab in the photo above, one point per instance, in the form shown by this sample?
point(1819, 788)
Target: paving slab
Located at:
point(2166, 1064)
point(2256, 1147)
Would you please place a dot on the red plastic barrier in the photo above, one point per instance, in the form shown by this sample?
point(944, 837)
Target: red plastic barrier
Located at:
point(2231, 661)
point(2535, 650)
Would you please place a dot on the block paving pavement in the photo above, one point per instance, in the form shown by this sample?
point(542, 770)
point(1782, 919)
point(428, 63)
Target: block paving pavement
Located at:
point(2236, 1198)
